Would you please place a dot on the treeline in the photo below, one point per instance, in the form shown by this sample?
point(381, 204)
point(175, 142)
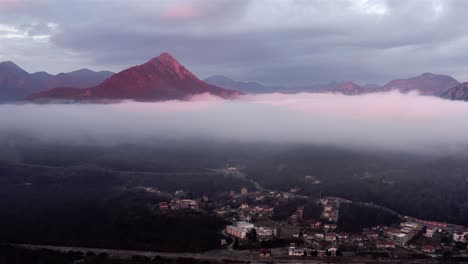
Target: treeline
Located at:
point(94, 208)
point(428, 187)
point(353, 218)
point(122, 221)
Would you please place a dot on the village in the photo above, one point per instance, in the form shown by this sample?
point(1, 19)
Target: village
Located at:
point(258, 224)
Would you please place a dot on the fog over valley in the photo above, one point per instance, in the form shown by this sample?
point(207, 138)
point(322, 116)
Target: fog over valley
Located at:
point(379, 121)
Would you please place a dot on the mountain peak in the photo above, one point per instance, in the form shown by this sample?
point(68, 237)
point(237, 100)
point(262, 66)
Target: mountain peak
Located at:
point(9, 65)
point(428, 74)
point(166, 64)
point(165, 58)
point(166, 55)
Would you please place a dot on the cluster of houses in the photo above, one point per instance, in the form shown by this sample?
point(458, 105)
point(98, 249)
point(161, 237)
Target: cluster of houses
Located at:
point(330, 208)
point(180, 202)
point(404, 233)
point(177, 203)
point(322, 237)
point(295, 251)
point(319, 237)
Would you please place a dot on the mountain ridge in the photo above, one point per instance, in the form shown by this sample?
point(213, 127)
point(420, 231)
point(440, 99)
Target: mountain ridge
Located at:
point(160, 78)
point(459, 92)
point(16, 83)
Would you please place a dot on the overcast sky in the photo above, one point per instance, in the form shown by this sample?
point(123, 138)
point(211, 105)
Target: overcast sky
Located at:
point(285, 42)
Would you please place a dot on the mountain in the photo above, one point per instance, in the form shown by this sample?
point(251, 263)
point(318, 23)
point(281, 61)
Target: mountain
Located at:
point(371, 86)
point(16, 83)
point(346, 88)
point(245, 87)
point(459, 92)
point(161, 78)
point(426, 84)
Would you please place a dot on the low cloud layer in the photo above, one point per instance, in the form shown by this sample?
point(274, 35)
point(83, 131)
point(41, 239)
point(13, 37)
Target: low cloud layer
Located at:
point(386, 121)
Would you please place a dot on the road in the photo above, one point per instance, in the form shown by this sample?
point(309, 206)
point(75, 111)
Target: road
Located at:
point(117, 171)
point(232, 258)
point(229, 247)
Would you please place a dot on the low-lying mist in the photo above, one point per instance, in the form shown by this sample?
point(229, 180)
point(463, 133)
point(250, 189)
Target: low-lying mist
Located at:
point(380, 121)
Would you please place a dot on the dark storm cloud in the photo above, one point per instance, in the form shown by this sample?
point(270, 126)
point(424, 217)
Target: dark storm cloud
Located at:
point(277, 42)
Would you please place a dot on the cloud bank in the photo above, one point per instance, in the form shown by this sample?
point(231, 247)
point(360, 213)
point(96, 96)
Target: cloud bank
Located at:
point(381, 121)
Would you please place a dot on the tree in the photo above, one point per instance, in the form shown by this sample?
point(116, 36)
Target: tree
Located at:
point(252, 235)
point(236, 243)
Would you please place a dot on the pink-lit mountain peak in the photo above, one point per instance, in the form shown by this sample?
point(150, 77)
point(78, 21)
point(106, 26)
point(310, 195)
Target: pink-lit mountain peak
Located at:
point(167, 64)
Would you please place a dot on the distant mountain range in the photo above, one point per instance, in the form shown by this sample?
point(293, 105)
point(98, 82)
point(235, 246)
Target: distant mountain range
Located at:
point(161, 78)
point(16, 83)
point(425, 84)
point(245, 87)
point(164, 78)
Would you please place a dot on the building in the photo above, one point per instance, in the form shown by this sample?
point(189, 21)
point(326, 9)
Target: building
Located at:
point(240, 230)
point(264, 252)
point(343, 236)
point(297, 252)
point(401, 238)
point(428, 249)
point(357, 238)
point(391, 232)
point(324, 200)
point(329, 227)
point(370, 234)
point(178, 203)
point(333, 217)
point(295, 189)
point(332, 251)
point(163, 205)
point(430, 231)
point(319, 236)
point(236, 231)
point(245, 225)
point(265, 233)
point(179, 193)
point(244, 191)
point(315, 225)
point(384, 244)
point(460, 236)
point(330, 237)
point(312, 179)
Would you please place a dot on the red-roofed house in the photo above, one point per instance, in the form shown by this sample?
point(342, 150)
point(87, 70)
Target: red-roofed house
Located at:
point(428, 249)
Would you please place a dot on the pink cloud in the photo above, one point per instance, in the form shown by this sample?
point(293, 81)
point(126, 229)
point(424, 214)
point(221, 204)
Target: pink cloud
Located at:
point(180, 12)
point(11, 4)
point(197, 103)
point(396, 106)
